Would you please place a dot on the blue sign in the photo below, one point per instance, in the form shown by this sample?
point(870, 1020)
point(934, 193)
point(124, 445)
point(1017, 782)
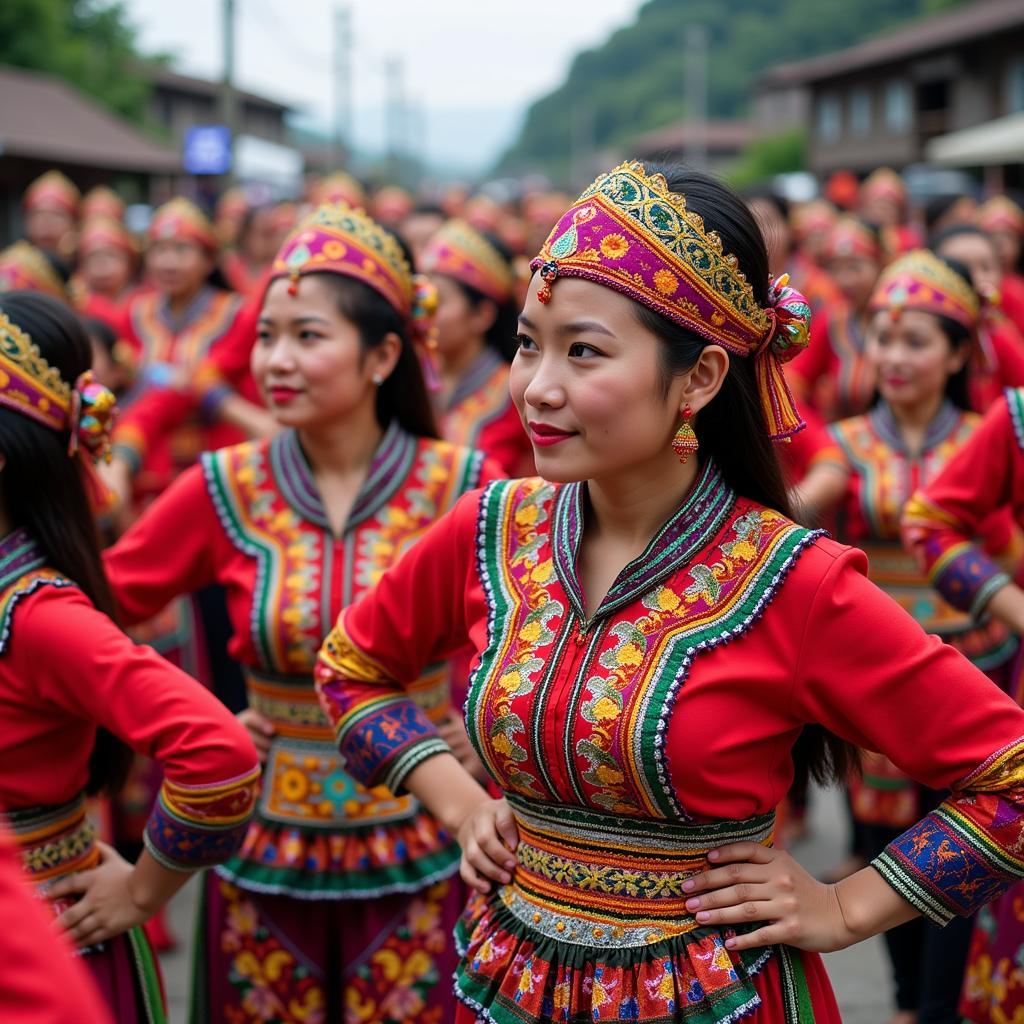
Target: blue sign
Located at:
point(207, 149)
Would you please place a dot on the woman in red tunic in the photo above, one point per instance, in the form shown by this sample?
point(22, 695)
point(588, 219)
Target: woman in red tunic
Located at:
point(71, 681)
point(1003, 220)
point(476, 323)
point(653, 639)
point(340, 903)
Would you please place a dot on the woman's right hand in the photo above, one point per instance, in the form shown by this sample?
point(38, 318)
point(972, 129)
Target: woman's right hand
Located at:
point(261, 730)
point(488, 837)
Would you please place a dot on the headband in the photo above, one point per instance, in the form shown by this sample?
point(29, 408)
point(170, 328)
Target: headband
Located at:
point(23, 267)
point(630, 233)
point(1001, 214)
point(463, 253)
point(105, 233)
point(183, 221)
point(884, 183)
point(33, 388)
point(922, 281)
point(102, 202)
point(54, 189)
point(341, 239)
point(852, 237)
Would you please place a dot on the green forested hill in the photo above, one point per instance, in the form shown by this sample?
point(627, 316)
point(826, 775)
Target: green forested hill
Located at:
point(635, 81)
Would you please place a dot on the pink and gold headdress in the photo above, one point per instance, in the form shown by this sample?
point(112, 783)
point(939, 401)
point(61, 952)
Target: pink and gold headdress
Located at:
point(33, 388)
point(922, 281)
point(1001, 214)
point(23, 267)
point(630, 233)
point(102, 201)
point(460, 251)
point(182, 220)
point(53, 190)
point(341, 239)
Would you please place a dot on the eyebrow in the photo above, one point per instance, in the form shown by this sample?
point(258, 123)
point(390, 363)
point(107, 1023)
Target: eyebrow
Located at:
point(299, 320)
point(576, 327)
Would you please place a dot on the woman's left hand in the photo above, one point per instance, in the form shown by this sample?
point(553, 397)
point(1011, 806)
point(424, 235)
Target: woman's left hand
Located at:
point(748, 883)
point(107, 906)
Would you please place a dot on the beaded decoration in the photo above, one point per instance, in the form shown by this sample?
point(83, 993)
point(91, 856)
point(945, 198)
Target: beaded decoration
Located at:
point(920, 280)
point(23, 267)
point(181, 219)
point(52, 189)
point(461, 252)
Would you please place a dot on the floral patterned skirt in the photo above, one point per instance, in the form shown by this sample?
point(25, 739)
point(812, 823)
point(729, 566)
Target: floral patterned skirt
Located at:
point(263, 959)
point(993, 991)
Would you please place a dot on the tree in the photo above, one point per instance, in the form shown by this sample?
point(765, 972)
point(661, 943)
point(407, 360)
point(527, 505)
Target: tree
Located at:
point(88, 42)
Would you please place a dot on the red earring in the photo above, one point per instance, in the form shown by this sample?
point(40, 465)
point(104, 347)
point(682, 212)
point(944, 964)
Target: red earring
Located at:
point(685, 443)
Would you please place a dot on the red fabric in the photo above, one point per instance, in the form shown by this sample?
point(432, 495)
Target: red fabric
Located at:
point(69, 669)
point(997, 361)
point(1011, 298)
point(40, 981)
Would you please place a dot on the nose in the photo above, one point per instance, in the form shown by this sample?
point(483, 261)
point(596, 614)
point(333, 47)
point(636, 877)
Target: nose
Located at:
point(545, 389)
point(280, 358)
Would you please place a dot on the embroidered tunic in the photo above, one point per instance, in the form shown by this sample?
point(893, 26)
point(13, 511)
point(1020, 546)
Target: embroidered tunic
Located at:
point(161, 431)
point(630, 743)
point(251, 519)
point(480, 415)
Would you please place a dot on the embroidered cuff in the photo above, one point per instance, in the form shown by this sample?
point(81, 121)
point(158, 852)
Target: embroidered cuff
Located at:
point(129, 445)
point(210, 403)
point(967, 578)
point(194, 827)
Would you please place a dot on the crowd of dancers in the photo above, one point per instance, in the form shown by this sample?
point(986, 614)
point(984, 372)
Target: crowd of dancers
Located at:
point(471, 590)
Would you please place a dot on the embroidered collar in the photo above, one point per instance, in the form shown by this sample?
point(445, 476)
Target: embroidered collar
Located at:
point(19, 554)
point(388, 470)
point(478, 374)
point(688, 531)
point(942, 425)
point(190, 314)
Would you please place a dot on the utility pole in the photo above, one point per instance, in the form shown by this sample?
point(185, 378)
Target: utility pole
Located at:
point(341, 139)
point(228, 99)
point(695, 144)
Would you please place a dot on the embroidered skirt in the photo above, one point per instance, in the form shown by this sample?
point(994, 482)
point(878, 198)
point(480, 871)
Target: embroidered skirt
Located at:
point(594, 928)
point(56, 841)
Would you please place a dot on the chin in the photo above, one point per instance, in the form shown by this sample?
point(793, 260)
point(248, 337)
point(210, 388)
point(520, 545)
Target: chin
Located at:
point(562, 468)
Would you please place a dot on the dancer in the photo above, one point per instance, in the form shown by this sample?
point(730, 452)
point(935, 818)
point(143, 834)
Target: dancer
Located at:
point(71, 681)
point(654, 638)
point(476, 324)
point(342, 895)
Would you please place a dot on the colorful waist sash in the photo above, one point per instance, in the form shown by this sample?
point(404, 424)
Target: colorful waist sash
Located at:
point(317, 833)
point(986, 642)
point(54, 841)
point(597, 882)
point(594, 927)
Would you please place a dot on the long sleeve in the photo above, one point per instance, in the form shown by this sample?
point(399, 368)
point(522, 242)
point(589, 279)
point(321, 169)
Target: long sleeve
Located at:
point(905, 694)
point(80, 662)
point(414, 616)
point(941, 521)
point(168, 551)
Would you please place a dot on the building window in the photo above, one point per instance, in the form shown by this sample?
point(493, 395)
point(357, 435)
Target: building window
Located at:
point(1015, 86)
point(897, 108)
point(860, 113)
point(830, 119)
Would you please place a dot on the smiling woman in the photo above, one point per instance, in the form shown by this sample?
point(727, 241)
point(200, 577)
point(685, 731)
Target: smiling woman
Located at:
point(655, 645)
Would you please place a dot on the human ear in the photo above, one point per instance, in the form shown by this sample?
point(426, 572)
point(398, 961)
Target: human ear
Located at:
point(705, 378)
point(482, 316)
point(381, 359)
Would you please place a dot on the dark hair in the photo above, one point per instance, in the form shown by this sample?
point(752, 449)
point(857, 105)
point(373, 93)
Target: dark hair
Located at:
point(959, 336)
point(958, 231)
point(769, 195)
point(937, 207)
point(403, 396)
point(732, 428)
point(100, 331)
point(501, 335)
point(44, 492)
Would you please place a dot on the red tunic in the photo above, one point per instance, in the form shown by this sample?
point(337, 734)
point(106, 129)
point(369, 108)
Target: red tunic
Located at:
point(631, 742)
point(1011, 299)
point(161, 430)
point(40, 981)
point(480, 415)
point(997, 361)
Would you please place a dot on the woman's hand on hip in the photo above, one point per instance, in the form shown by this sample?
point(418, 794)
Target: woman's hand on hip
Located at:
point(488, 837)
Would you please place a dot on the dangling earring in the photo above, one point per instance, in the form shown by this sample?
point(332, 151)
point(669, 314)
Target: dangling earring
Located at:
point(685, 443)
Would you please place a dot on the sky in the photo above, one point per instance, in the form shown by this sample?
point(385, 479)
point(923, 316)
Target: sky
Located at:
point(471, 67)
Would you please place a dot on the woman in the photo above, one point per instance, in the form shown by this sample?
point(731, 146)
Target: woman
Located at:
point(919, 341)
point(833, 378)
point(50, 207)
point(652, 638)
point(71, 681)
point(342, 894)
point(997, 360)
point(476, 324)
point(1003, 220)
point(884, 201)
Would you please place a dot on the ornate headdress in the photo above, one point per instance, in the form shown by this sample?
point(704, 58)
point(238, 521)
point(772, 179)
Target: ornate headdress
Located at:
point(340, 239)
point(884, 183)
point(852, 237)
point(181, 219)
point(338, 187)
point(102, 202)
point(392, 203)
point(630, 233)
point(817, 215)
point(460, 251)
point(23, 267)
point(922, 281)
point(52, 189)
point(1001, 214)
point(105, 233)
point(30, 386)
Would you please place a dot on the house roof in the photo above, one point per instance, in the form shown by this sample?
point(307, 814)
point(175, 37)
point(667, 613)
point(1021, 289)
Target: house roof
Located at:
point(43, 117)
point(161, 76)
point(966, 23)
point(717, 135)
